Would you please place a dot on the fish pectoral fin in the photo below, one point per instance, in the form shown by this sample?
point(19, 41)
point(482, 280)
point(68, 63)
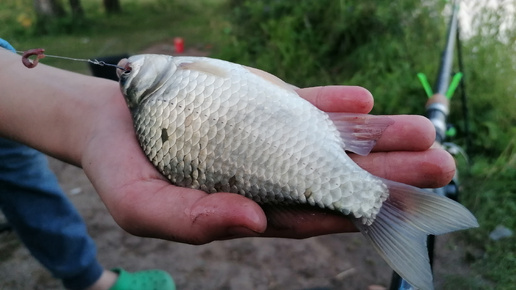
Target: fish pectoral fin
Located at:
point(399, 231)
point(359, 132)
point(204, 67)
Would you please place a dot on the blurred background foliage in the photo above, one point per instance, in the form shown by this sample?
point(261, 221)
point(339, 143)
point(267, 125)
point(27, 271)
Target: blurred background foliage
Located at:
point(379, 45)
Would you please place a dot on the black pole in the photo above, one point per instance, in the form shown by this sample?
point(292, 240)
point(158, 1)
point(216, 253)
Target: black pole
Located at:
point(445, 69)
point(437, 107)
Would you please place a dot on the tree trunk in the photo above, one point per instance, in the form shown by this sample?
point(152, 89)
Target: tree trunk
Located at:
point(48, 9)
point(76, 7)
point(112, 6)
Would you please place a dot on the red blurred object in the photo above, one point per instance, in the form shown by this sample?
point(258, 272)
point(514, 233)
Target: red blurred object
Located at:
point(179, 44)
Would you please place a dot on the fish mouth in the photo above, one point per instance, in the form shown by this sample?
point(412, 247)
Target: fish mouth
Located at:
point(123, 66)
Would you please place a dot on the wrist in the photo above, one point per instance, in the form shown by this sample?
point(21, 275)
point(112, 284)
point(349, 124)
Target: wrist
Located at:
point(50, 109)
point(92, 100)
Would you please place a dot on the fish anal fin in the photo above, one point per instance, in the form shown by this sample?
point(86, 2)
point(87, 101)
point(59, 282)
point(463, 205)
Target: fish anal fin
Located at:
point(399, 231)
point(360, 132)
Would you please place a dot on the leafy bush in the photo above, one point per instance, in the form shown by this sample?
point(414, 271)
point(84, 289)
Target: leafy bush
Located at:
point(490, 74)
point(378, 45)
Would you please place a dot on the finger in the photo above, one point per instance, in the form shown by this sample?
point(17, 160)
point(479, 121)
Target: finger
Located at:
point(350, 99)
point(190, 216)
point(236, 214)
point(407, 133)
point(430, 168)
point(304, 221)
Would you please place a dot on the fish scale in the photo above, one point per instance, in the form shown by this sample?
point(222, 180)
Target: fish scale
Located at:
point(216, 126)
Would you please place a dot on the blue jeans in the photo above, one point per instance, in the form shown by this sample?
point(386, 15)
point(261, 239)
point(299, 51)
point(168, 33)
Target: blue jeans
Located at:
point(44, 219)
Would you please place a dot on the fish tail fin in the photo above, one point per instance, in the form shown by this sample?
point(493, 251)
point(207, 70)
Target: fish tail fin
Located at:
point(399, 231)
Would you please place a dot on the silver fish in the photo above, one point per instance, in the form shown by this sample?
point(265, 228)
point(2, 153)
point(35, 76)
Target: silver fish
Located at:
point(221, 127)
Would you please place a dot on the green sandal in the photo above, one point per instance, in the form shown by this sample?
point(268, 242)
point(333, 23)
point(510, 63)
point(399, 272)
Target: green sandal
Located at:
point(144, 280)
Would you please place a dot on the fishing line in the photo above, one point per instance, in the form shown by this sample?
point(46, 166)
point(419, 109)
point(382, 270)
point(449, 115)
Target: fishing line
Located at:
point(39, 54)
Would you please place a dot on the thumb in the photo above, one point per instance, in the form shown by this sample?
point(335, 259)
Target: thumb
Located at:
point(186, 215)
point(226, 215)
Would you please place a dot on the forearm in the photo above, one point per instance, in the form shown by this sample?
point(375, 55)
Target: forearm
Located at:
point(49, 109)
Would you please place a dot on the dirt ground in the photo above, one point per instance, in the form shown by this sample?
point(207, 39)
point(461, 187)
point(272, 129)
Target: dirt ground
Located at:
point(343, 261)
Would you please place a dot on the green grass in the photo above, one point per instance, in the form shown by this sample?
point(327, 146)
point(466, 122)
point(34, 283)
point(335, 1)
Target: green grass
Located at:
point(490, 192)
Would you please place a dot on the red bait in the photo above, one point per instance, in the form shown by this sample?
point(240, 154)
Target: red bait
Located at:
point(38, 52)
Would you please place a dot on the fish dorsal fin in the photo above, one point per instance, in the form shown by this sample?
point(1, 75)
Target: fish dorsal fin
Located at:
point(270, 78)
point(204, 67)
point(359, 132)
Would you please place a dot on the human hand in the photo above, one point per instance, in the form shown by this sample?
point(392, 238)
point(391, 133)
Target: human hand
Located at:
point(85, 121)
point(144, 203)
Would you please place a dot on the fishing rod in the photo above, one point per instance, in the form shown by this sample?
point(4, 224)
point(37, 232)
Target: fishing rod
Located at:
point(437, 107)
point(437, 110)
